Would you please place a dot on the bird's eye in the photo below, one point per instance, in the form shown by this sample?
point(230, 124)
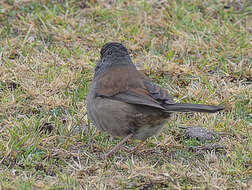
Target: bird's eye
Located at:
point(97, 68)
point(98, 65)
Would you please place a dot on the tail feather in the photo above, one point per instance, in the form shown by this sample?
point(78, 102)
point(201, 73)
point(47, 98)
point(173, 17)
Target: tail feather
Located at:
point(180, 107)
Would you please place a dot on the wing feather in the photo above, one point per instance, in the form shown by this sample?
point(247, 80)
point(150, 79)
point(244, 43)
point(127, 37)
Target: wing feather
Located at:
point(126, 84)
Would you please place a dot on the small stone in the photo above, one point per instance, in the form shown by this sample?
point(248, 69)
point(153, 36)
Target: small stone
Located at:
point(200, 133)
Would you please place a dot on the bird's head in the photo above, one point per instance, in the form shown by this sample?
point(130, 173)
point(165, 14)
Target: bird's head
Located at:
point(112, 54)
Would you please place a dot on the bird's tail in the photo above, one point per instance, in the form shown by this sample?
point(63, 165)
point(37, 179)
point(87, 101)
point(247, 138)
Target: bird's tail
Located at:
point(180, 107)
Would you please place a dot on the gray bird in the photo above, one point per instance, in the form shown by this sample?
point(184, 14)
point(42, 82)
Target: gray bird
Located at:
point(125, 103)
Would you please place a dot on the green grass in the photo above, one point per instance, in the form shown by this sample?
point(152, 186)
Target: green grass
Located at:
point(200, 51)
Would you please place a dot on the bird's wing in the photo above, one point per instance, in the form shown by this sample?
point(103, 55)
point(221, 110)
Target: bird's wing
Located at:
point(126, 84)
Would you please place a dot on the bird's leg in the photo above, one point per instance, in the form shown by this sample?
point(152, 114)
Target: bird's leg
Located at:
point(140, 144)
point(117, 147)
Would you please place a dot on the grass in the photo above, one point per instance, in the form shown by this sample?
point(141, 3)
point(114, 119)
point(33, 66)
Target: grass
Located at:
point(201, 51)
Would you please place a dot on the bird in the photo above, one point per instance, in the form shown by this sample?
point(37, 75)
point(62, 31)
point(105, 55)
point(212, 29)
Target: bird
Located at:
point(125, 103)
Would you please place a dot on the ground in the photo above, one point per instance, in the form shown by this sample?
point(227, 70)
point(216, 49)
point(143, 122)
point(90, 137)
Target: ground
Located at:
point(200, 51)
